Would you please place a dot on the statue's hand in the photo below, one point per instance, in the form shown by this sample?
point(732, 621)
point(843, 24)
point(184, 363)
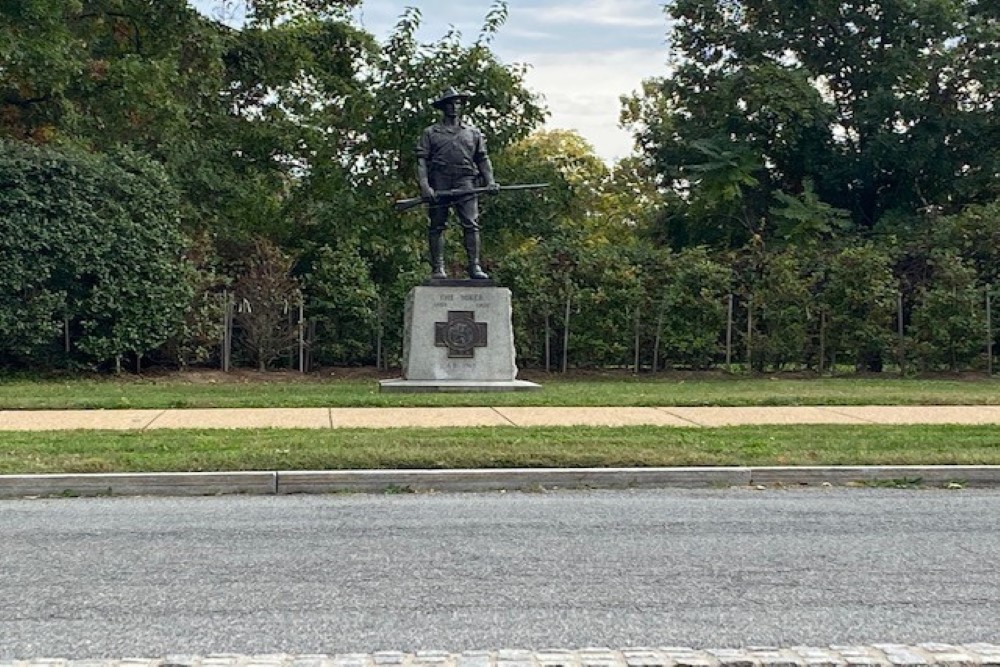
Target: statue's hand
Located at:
point(494, 187)
point(427, 192)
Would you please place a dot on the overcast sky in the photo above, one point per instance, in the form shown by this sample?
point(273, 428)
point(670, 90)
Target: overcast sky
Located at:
point(583, 54)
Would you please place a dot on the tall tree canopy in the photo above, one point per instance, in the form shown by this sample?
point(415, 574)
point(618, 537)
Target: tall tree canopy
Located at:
point(879, 107)
point(232, 114)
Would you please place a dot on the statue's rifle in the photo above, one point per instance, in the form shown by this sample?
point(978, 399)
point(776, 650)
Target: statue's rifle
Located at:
point(407, 204)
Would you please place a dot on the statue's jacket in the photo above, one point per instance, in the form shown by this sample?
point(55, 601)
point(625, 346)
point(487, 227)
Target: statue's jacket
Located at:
point(453, 154)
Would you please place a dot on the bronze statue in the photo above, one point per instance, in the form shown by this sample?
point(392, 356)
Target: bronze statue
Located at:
point(452, 158)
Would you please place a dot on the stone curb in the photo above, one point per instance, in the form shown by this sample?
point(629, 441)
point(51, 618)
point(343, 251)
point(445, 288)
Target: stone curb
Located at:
point(140, 484)
point(510, 479)
point(507, 479)
point(875, 655)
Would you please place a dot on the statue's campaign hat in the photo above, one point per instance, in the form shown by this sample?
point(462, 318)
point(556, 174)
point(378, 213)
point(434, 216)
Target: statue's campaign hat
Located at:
point(449, 93)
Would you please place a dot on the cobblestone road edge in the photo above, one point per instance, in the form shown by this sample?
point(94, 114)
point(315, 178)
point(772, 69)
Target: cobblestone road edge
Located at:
point(876, 655)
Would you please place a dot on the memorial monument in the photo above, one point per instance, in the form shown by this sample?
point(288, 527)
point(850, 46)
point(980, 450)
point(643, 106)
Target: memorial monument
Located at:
point(457, 332)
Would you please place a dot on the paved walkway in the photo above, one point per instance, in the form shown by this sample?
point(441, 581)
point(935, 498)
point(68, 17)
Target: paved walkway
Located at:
point(324, 418)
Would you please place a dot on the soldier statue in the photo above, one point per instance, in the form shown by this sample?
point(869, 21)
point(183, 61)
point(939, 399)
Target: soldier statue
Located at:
point(452, 157)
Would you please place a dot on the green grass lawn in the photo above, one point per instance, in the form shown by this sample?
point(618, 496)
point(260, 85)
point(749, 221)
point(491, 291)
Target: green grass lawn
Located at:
point(493, 447)
point(251, 449)
point(212, 390)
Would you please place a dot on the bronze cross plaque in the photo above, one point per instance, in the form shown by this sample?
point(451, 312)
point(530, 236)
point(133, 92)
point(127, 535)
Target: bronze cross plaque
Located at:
point(461, 334)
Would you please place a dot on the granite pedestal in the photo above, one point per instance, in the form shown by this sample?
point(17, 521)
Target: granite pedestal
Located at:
point(458, 336)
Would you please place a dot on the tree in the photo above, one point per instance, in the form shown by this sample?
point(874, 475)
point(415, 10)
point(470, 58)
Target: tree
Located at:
point(103, 72)
point(266, 297)
point(295, 103)
point(630, 200)
point(948, 321)
point(805, 219)
point(858, 300)
point(884, 107)
point(93, 258)
point(778, 291)
point(974, 234)
point(691, 307)
point(235, 115)
point(547, 275)
point(536, 302)
point(197, 340)
point(343, 299)
point(575, 177)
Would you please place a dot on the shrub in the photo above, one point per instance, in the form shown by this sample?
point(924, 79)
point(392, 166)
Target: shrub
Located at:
point(92, 256)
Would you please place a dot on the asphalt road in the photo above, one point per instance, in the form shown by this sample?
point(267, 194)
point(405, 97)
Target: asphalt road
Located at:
point(93, 578)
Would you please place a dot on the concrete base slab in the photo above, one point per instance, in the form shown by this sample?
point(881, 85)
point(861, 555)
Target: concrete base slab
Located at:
point(415, 417)
point(591, 417)
point(421, 386)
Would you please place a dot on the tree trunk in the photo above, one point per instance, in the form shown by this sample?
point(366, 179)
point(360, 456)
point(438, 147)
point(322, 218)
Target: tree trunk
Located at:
point(656, 341)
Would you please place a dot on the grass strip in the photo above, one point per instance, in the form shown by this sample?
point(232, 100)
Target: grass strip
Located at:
point(174, 392)
point(494, 447)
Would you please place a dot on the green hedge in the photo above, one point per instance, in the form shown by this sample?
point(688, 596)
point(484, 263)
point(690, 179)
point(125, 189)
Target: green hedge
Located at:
point(92, 256)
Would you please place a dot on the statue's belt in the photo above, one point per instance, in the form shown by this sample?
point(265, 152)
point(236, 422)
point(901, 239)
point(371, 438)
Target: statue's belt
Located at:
point(466, 168)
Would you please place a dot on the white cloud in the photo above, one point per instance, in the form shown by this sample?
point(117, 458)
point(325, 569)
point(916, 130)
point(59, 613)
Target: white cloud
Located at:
point(515, 32)
point(582, 91)
point(625, 13)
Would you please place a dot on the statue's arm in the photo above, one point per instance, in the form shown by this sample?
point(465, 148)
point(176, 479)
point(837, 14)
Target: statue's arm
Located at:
point(484, 165)
point(423, 180)
point(423, 174)
point(486, 171)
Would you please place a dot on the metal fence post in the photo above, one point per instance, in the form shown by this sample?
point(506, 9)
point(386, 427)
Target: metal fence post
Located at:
point(901, 352)
point(302, 337)
point(227, 330)
point(729, 335)
point(989, 331)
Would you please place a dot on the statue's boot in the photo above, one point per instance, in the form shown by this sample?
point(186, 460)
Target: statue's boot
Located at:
point(435, 239)
point(472, 249)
